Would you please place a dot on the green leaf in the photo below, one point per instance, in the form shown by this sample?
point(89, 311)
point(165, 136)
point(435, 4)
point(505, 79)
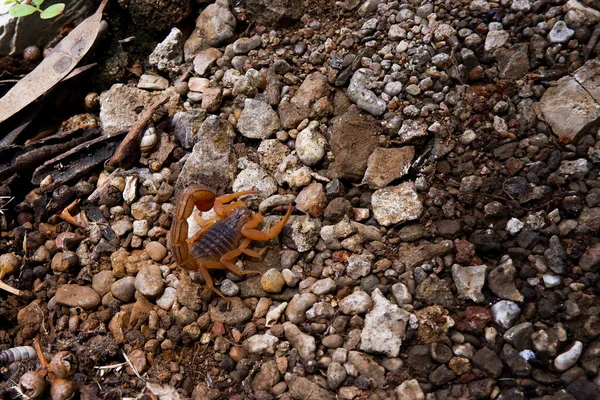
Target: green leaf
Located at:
point(21, 10)
point(6, 2)
point(38, 3)
point(52, 11)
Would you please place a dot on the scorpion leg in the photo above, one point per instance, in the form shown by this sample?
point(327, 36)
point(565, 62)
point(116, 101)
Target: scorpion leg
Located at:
point(221, 209)
point(227, 258)
point(203, 267)
point(255, 234)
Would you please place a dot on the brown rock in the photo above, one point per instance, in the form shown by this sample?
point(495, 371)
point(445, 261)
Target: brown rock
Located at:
point(312, 199)
point(302, 388)
point(30, 319)
point(211, 99)
point(354, 137)
point(386, 165)
point(590, 260)
point(267, 377)
point(77, 296)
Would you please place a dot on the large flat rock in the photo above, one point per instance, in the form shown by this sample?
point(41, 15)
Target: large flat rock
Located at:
point(572, 107)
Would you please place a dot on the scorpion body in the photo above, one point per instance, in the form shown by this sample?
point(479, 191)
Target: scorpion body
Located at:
point(222, 238)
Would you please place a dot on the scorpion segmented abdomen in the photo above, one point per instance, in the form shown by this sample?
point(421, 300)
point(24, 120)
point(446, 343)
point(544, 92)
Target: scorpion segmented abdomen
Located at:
point(216, 241)
point(21, 353)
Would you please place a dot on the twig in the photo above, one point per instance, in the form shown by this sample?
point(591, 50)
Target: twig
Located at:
point(131, 142)
point(65, 214)
point(10, 289)
point(96, 194)
point(593, 40)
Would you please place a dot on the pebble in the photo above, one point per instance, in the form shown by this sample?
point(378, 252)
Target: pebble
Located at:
point(469, 281)
point(310, 144)
point(396, 204)
point(323, 286)
point(355, 303)
point(505, 313)
point(272, 281)
point(156, 251)
point(261, 344)
point(295, 311)
point(102, 282)
point(124, 289)
point(168, 55)
point(305, 344)
point(149, 281)
point(167, 299)
point(385, 326)
point(409, 390)
point(560, 33)
point(566, 360)
point(77, 296)
point(258, 120)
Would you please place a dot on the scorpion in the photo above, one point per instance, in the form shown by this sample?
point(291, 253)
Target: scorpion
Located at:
point(222, 238)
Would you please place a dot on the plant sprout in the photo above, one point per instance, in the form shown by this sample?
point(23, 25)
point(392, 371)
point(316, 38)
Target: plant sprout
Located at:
point(20, 9)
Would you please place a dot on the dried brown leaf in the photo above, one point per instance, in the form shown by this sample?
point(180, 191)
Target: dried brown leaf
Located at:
point(53, 68)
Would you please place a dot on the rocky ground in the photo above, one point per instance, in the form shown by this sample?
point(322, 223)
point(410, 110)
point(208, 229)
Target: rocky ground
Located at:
point(444, 243)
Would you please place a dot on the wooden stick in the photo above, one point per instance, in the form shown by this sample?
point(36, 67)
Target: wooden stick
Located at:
point(129, 145)
point(593, 40)
point(10, 289)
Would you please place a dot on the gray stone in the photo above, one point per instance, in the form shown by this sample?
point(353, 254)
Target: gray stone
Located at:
point(149, 281)
point(560, 33)
point(358, 302)
point(505, 313)
point(254, 177)
point(336, 375)
point(258, 120)
point(495, 39)
point(412, 129)
point(205, 59)
point(303, 343)
point(304, 232)
point(216, 24)
point(244, 45)
point(305, 389)
point(310, 144)
point(469, 281)
point(124, 289)
point(212, 161)
point(384, 328)
point(566, 360)
point(362, 96)
point(296, 309)
point(358, 266)
point(186, 126)
point(396, 204)
point(387, 165)
point(409, 390)
point(261, 344)
point(501, 281)
point(152, 82)
point(168, 54)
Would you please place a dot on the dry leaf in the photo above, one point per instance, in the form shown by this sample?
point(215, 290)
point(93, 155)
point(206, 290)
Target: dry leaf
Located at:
point(53, 68)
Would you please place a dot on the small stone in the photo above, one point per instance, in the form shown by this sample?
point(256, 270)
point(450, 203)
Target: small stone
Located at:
point(152, 82)
point(244, 45)
point(358, 266)
point(566, 360)
point(355, 303)
point(237, 313)
point(167, 299)
point(505, 313)
point(229, 288)
point(205, 60)
point(261, 344)
point(560, 33)
point(384, 328)
point(305, 344)
point(336, 375)
point(296, 309)
point(149, 281)
point(258, 120)
point(77, 296)
point(501, 281)
point(272, 281)
point(168, 55)
point(387, 165)
point(102, 281)
point(122, 227)
point(488, 362)
point(411, 130)
point(409, 390)
point(310, 144)
point(312, 199)
point(323, 286)
point(469, 281)
point(124, 289)
point(496, 39)
point(156, 251)
point(216, 24)
point(396, 204)
point(362, 96)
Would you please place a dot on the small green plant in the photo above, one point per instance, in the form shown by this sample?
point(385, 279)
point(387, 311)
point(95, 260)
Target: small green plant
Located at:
point(20, 9)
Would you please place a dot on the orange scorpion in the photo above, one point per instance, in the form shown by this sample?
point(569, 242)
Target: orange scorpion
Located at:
point(222, 238)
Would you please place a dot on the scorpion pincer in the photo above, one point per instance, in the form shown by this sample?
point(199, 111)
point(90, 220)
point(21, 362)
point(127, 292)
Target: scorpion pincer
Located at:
point(221, 239)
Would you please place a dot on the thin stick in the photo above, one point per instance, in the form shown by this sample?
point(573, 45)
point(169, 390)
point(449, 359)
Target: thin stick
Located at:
point(96, 194)
point(10, 289)
point(593, 40)
point(131, 141)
